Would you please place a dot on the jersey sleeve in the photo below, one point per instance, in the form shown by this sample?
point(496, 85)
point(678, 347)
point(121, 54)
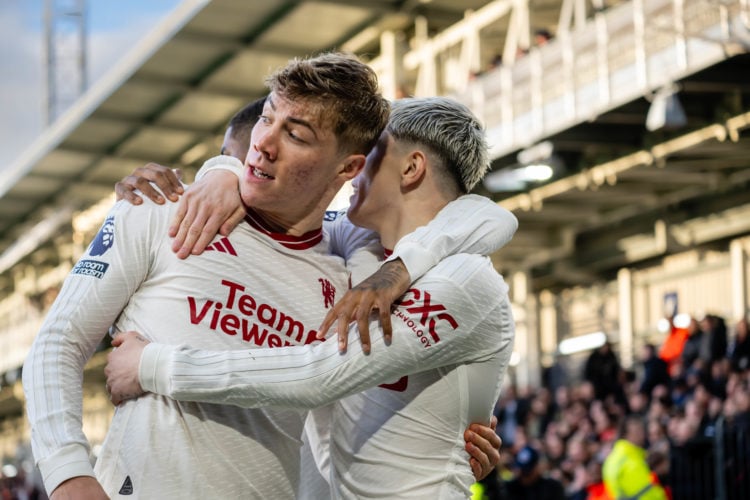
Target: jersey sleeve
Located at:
point(470, 224)
point(221, 162)
point(359, 247)
point(458, 315)
point(91, 298)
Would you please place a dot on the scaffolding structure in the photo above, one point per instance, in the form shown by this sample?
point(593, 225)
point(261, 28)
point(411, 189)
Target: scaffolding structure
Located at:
point(65, 37)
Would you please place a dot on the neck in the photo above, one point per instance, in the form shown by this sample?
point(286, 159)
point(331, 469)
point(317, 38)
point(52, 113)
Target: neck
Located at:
point(297, 218)
point(416, 211)
point(289, 225)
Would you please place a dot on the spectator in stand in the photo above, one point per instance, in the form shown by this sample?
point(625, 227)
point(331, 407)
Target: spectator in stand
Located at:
point(530, 482)
point(574, 467)
point(638, 403)
point(671, 350)
point(660, 407)
point(555, 376)
point(542, 37)
point(739, 351)
point(691, 351)
point(658, 442)
point(585, 393)
point(539, 416)
point(595, 488)
point(714, 346)
point(626, 472)
point(718, 377)
point(511, 415)
point(603, 371)
point(680, 392)
point(554, 448)
point(605, 425)
point(655, 370)
point(737, 406)
point(681, 413)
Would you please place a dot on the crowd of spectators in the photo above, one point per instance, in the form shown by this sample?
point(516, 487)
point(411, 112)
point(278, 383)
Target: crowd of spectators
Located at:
point(557, 437)
point(567, 430)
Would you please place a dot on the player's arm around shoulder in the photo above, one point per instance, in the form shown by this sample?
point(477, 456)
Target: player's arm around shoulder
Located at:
point(463, 302)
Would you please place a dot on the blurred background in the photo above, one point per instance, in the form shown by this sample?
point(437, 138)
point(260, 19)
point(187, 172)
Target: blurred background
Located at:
point(619, 133)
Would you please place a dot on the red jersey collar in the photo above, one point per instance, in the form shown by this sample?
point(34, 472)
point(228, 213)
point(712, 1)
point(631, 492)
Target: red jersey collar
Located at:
point(303, 242)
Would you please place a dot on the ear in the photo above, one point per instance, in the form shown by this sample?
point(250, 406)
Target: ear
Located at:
point(351, 166)
point(414, 169)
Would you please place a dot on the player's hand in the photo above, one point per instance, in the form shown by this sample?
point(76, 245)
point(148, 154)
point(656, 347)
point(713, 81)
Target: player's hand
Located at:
point(165, 178)
point(378, 291)
point(122, 367)
point(79, 487)
point(210, 206)
point(483, 446)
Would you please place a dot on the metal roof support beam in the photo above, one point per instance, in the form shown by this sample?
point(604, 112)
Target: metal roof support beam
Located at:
point(35, 237)
point(113, 156)
point(625, 316)
point(424, 57)
point(738, 252)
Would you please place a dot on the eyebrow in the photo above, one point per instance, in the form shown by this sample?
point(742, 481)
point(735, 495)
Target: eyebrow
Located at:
point(291, 119)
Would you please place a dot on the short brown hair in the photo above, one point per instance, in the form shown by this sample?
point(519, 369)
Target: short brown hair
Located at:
point(345, 88)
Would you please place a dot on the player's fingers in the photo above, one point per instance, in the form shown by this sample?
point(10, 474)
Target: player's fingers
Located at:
point(176, 224)
point(478, 455)
point(173, 187)
point(493, 426)
point(232, 222)
point(209, 230)
point(150, 192)
point(476, 468)
point(487, 438)
point(165, 179)
point(124, 191)
point(384, 311)
point(342, 332)
point(193, 233)
point(178, 245)
point(363, 325)
point(326, 325)
point(486, 445)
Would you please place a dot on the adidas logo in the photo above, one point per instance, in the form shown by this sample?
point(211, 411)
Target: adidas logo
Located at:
point(223, 246)
point(127, 487)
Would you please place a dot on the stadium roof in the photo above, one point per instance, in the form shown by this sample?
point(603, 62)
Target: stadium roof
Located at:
point(631, 195)
point(170, 97)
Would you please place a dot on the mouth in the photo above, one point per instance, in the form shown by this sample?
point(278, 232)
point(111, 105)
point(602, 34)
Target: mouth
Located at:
point(260, 174)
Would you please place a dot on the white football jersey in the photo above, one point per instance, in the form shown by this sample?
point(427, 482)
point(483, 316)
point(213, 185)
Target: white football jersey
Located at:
point(237, 294)
point(398, 431)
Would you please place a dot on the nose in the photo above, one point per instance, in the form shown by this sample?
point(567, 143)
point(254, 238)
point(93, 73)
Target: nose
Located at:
point(265, 140)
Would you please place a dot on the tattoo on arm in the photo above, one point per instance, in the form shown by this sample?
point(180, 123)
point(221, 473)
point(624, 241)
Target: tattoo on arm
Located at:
point(391, 275)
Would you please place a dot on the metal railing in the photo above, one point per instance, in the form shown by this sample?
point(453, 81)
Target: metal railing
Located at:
point(618, 56)
point(614, 57)
point(713, 467)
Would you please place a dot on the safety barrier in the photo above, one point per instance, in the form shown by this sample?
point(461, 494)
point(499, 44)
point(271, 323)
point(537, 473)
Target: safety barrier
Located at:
point(713, 467)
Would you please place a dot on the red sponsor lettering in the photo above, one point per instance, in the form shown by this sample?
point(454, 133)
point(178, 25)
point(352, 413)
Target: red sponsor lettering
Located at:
point(428, 314)
point(195, 316)
point(268, 327)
